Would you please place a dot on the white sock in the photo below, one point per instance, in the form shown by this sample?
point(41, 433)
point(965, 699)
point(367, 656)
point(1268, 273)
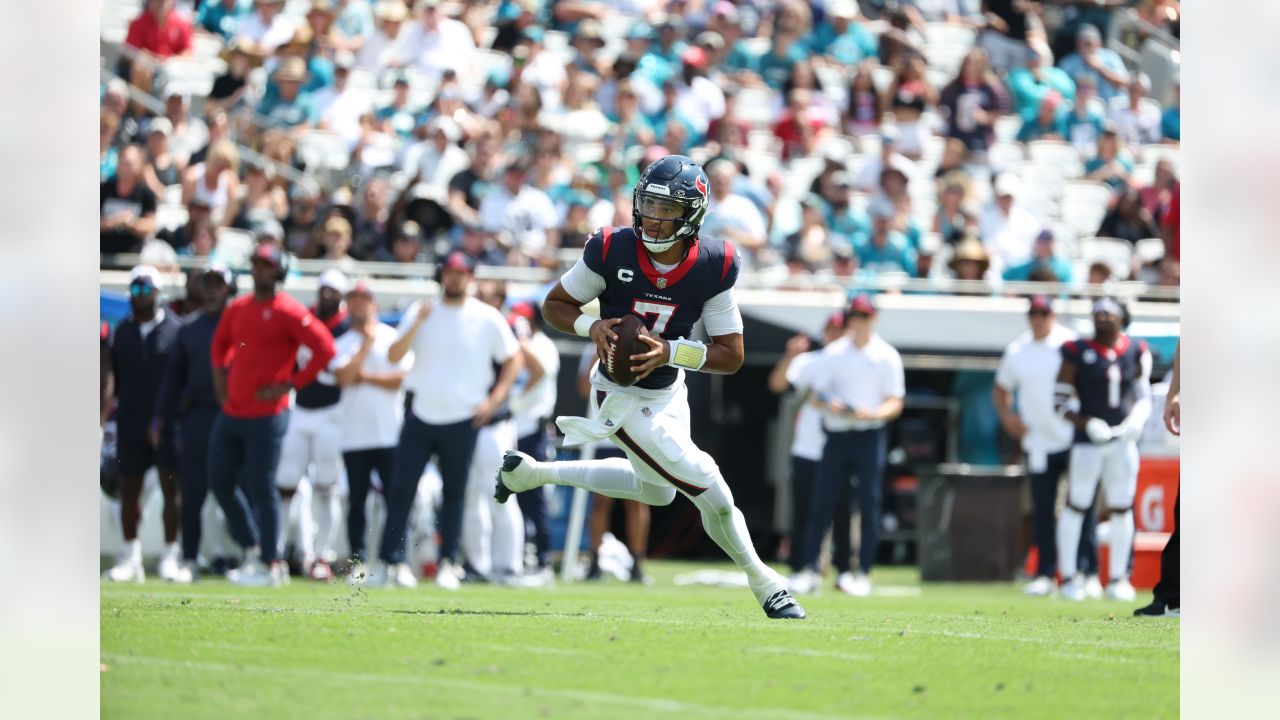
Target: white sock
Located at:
point(728, 528)
point(613, 477)
point(1070, 525)
point(477, 525)
point(303, 521)
point(132, 550)
point(507, 543)
point(328, 512)
point(171, 551)
point(1120, 542)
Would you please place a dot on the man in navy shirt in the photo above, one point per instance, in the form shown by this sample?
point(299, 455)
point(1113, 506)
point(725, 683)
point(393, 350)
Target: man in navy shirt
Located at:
point(140, 350)
point(659, 270)
point(188, 402)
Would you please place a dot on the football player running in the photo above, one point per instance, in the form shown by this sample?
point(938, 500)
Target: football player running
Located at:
point(660, 270)
point(1103, 389)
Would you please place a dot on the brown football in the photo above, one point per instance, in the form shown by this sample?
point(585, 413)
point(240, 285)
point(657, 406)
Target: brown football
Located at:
point(617, 364)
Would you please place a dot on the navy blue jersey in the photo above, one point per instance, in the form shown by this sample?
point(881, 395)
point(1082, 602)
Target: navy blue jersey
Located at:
point(322, 393)
point(671, 303)
point(1106, 377)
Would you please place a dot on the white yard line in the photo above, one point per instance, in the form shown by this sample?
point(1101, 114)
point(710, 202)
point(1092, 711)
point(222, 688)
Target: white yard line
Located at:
point(664, 705)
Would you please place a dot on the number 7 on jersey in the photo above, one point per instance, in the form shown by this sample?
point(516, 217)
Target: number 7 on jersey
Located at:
point(662, 311)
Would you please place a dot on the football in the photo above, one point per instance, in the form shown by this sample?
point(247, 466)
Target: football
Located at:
point(617, 364)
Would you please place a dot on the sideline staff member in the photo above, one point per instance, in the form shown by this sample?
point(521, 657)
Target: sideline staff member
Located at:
point(859, 384)
point(253, 354)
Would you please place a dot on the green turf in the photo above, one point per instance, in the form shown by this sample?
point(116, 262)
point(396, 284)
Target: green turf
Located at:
point(619, 651)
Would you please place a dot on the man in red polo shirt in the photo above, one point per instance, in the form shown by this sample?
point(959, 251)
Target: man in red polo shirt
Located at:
point(253, 354)
point(158, 33)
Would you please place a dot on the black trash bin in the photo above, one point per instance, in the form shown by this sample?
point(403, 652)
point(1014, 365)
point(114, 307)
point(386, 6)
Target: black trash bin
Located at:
point(970, 519)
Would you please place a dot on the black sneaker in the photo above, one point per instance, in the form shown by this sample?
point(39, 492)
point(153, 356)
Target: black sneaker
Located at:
point(501, 492)
point(781, 606)
point(1158, 609)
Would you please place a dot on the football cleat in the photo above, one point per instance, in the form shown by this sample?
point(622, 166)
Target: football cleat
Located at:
point(1072, 589)
point(255, 573)
point(186, 573)
point(169, 566)
point(376, 577)
point(515, 476)
point(358, 573)
point(1040, 587)
point(782, 606)
point(1120, 589)
point(1158, 609)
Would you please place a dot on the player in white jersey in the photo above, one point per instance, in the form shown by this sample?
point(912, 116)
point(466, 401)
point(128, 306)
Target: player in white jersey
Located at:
point(659, 270)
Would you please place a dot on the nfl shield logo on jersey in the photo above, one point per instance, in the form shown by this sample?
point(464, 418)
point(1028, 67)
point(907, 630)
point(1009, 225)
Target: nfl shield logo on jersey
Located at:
point(646, 412)
point(661, 283)
point(1090, 357)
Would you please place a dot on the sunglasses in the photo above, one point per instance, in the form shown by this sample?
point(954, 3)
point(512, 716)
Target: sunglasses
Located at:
point(860, 315)
point(1038, 313)
point(141, 290)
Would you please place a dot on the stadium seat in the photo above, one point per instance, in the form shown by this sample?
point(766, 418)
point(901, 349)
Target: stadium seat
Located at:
point(882, 77)
point(170, 217)
point(234, 246)
point(1116, 253)
point(1153, 153)
point(941, 33)
point(946, 58)
point(1003, 156)
point(1054, 152)
point(1149, 250)
point(753, 107)
point(1007, 127)
point(1086, 192)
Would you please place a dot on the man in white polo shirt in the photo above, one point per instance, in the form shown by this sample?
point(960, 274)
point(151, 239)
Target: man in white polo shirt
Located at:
point(372, 409)
point(455, 340)
point(1028, 370)
point(859, 384)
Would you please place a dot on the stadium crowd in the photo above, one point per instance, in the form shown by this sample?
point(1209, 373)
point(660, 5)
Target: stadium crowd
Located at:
point(851, 139)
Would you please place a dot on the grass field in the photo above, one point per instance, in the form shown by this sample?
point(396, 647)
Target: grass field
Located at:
point(617, 651)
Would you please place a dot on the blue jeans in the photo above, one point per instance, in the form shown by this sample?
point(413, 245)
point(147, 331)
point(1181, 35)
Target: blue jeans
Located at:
point(194, 431)
point(856, 452)
point(248, 449)
point(1044, 521)
point(453, 446)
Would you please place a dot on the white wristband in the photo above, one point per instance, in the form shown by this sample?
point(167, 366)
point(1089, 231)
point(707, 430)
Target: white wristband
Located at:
point(583, 324)
point(687, 354)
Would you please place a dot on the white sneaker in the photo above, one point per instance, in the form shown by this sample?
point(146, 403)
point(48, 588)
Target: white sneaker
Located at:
point(542, 577)
point(1072, 589)
point(169, 567)
point(1120, 589)
point(1042, 586)
point(805, 582)
point(855, 584)
point(359, 574)
point(448, 576)
point(185, 574)
point(254, 573)
point(401, 575)
point(376, 577)
point(127, 569)
point(1093, 587)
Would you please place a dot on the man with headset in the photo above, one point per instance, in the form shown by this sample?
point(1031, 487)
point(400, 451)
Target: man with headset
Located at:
point(253, 355)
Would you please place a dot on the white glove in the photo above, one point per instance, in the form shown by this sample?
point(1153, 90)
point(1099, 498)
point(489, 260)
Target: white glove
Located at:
point(1099, 431)
point(1127, 431)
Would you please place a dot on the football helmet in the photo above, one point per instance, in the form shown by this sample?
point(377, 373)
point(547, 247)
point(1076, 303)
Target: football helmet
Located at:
point(674, 178)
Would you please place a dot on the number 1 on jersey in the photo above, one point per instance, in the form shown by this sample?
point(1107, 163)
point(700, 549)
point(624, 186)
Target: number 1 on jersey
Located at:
point(1113, 385)
point(662, 311)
